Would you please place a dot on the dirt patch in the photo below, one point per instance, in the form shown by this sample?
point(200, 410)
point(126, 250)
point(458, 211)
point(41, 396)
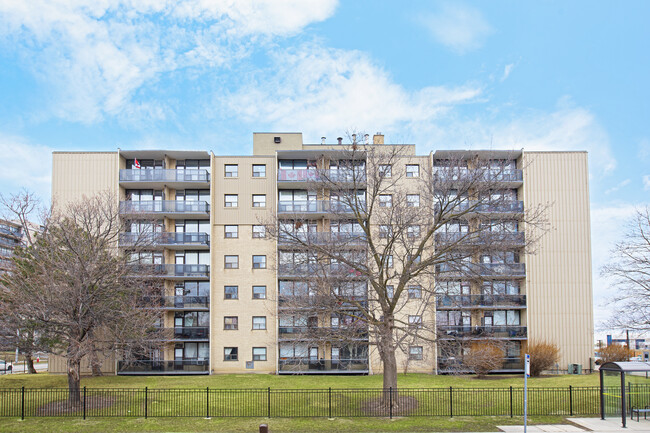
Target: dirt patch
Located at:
point(64, 407)
point(402, 405)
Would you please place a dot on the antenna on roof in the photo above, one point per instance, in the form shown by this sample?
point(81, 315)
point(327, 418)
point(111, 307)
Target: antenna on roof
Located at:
point(322, 140)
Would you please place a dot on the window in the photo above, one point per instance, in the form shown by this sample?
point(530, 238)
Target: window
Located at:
point(389, 261)
point(335, 321)
point(412, 170)
point(259, 292)
point(385, 231)
point(259, 322)
point(259, 232)
point(259, 353)
point(230, 231)
point(415, 353)
point(415, 292)
point(413, 232)
point(385, 170)
point(230, 354)
point(413, 200)
point(385, 200)
point(259, 262)
point(415, 321)
point(231, 262)
point(230, 200)
point(231, 170)
point(259, 200)
point(231, 292)
point(390, 291)
point(231, 323)
point(259, 170)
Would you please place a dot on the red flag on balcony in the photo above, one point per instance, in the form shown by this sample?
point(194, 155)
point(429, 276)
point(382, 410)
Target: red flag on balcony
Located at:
point(136, 164)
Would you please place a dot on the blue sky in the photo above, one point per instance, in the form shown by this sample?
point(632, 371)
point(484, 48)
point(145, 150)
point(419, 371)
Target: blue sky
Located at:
point(546, 75)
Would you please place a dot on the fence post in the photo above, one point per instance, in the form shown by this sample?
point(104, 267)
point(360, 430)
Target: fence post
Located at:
point(451, 402)
point(146, 397)
point(510, 401)
point(22, 404)
point(330, 402)
point(571, 400)
point(207, 402)
point(268, 401)
point(390, 398)
point(84, 402)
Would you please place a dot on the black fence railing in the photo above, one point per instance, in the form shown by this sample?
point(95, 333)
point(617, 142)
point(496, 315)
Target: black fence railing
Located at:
point(207, 402)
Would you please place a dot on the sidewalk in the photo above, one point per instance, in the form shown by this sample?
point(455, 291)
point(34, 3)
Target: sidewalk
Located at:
point(596, 425)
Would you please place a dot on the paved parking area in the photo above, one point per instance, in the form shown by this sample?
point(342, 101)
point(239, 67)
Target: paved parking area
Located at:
point(596, 425)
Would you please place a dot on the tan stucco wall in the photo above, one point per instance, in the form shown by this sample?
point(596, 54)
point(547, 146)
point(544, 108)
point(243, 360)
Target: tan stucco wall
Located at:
point(264, 144)
point(78, 174)
point(558, 282)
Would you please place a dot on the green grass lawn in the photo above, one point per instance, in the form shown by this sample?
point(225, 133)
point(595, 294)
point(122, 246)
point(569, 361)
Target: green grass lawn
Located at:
point(339, 424)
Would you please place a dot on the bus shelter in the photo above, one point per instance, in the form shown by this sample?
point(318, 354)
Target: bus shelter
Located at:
point(624, 386)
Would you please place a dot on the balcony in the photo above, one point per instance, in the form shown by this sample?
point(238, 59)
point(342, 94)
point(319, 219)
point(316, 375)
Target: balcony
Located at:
point(165, 208)
point(177, 302)
point(345, 240)
point(172, 241)
point(352, 332)
point(188, 333)
point(315, 208)
point(313, 270)
point(173, 272)
point(153, 178)
point(506, 332)
point(322, 366)
point(454, 302)
point(481, 238)
point(511, 178)
point(482, 270)
point(299, 178)
point(15, 232)
point(496, 208)
point(181, 366)
point(309, 301)
point(455, 365)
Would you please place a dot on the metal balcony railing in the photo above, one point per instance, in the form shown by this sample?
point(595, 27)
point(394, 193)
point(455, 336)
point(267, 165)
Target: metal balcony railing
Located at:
point(189, 332)
point(161, 207)
point(460, 174)
point(510, 207)
point(315, 366)
point(171, 270)
point(9, 242)
point(164, 175)
point(313, 207)
point(453, 364)
point(323, 238)
point(473, 301)
point(460, 239)
point(307, 270)
point(179, 366)
point(308, 301)
point(11, 231)
point(311, 175)
point(164, 239)
point(474, 270)
point(446, 332)
point(176, 302)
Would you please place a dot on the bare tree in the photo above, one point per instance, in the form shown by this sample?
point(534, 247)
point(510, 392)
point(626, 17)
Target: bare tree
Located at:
point(484, 357)
point(373, 233)
point(615, 353)
point(543, 356)
point(629, 271)
point(78, 288)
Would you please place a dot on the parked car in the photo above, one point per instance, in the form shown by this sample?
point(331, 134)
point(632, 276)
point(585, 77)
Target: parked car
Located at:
point(5, 367)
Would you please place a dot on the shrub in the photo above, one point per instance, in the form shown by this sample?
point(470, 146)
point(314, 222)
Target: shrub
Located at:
point(615, 353)
point(543, 355)
point(484, 357)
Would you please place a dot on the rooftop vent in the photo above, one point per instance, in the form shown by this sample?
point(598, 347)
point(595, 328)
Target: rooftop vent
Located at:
point(322, 140)
point(277, 140)
point(340, 140)
point(366, 138)
point(354, 138)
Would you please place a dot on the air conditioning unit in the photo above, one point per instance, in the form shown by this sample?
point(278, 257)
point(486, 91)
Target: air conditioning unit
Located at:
point(575, 369)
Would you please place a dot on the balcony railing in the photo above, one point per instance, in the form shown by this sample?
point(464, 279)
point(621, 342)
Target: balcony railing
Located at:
point(180, 366)
point(313, 270)
point(472, 301)
point(189, 332)
point(322, 366)
point(481, 238)
point(323, 238)
point(485, 270)
point(172, 271)
point(459, 174)
point(313, 207)
point(446, 332)
point(164, 175)
point(311, 175)
point(9, 242)
point(177, 302)
point(509, 207)
point(164, 239)
point(456, 365)
point(307, 301)
point(11, 231)
point(162, 207)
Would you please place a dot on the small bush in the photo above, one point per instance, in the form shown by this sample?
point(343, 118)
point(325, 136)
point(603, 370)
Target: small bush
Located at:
point(484, 357)
point(543, 356)
point(615, 353)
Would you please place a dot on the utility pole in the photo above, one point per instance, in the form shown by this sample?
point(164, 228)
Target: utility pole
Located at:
point(627, 337)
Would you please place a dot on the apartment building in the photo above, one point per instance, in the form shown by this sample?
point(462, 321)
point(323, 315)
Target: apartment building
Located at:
point(229, 284)
point(11, 235)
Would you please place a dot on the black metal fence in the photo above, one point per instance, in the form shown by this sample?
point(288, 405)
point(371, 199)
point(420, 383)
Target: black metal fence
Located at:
point(269, 403)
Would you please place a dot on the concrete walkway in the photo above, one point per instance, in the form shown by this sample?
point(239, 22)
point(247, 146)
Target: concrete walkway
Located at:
point(596, 425)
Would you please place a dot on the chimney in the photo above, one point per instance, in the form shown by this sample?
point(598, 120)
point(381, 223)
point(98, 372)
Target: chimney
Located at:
point(322, 140)
point(340, 140)
point(378, 138)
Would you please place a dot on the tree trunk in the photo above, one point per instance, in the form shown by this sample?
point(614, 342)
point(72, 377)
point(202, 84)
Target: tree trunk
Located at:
point(30, 364)
point(390, 367)
point(74, 381)
point(95, 364)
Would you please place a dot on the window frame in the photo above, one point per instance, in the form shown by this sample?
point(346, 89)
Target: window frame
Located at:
point(233, 265)
point(410, 174)
point(386, 170)
point(229, 357)
point(226, 233)
point(253, 323)
point(414, 291)
point(230, 204)
point(415, 321)
point(233, 326)
point(256, 174)
point(416, 356)
point(259, 204)
point(265, 357)
point(257, 297)
point(225, 292)
point(228, 174)
point(262, 265)
point(256, 235)
point(415, 203)
point(385, 203)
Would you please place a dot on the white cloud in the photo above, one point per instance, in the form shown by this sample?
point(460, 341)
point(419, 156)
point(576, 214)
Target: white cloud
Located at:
point(507, 70)
point(96, 55)
point(618, 186)
point(25, 165)
point(646, 182)
point(460, 28)
point(322, 91)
